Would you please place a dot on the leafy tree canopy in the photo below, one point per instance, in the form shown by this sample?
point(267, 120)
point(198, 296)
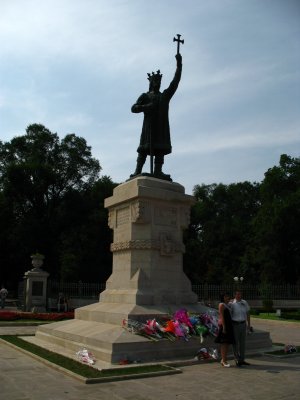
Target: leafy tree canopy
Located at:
point(37, 167)
point(48, 187)
point(247, 229)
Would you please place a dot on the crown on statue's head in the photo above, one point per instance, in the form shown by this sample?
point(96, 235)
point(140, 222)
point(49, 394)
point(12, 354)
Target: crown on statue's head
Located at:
point(155, 76)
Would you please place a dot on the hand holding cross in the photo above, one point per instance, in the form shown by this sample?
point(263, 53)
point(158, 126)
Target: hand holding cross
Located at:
point(178, 40)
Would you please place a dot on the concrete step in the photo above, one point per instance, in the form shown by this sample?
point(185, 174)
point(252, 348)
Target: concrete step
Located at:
point(112, 343)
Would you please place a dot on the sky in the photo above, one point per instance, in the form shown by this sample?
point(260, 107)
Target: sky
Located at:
point(77, 66)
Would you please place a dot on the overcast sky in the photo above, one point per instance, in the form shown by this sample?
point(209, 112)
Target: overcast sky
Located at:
point(77, 66)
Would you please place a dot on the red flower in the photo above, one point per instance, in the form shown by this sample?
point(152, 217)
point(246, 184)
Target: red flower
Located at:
point(14, 315)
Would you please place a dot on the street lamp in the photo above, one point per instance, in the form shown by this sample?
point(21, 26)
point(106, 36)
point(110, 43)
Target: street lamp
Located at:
point(238, 279)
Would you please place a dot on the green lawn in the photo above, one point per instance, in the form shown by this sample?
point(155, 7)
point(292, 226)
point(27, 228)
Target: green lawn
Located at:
point(274, 317)
point(83, 369)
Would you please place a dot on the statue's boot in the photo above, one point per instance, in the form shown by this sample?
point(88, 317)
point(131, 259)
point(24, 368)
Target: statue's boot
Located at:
point(139, 165)
point(158, 170)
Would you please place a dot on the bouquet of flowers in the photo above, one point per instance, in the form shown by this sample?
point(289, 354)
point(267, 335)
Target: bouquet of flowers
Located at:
point(290, 348)
point(210, 320)
point(86, 357)
point(179, 326)
point(149, 329)
point(207, 354)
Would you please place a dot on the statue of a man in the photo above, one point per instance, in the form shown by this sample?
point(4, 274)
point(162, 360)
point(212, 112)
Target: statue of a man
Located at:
point(155, 137)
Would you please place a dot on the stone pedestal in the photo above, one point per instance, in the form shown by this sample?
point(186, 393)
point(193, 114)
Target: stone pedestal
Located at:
point(35, 289)
point(147, 216)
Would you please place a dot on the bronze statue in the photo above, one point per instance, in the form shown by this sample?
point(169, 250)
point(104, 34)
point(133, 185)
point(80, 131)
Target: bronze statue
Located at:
point(155, 138)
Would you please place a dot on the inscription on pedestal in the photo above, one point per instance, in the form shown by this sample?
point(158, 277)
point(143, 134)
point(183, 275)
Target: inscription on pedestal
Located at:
point(122, 216)
point(166, 216)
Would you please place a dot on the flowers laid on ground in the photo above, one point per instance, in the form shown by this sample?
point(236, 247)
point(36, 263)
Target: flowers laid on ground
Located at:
point(180, 326)
point(86, 357)
point(207, 354)
point(16, 315)
point(290, 348)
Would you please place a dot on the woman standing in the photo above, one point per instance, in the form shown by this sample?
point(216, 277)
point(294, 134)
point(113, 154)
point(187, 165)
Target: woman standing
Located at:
point(225, 335)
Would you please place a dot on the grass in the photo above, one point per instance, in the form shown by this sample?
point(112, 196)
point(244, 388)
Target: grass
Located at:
point(83, 369)
point(273, 316)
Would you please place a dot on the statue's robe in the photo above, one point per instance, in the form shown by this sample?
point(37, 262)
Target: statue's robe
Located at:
point(156, 128)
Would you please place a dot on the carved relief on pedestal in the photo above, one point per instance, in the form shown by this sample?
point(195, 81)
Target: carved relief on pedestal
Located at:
point(112, 219)
point(165, 216)
point(140, 212)
point(185, 217)
point(135, 244)
point(169, 246)
point(166, 245)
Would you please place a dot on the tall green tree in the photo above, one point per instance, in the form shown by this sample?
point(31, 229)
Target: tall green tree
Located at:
point(38, 171)
point(85, 240)
point(220, 231)
point(274, 254)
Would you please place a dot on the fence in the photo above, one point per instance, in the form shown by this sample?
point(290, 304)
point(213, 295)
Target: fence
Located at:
point(82, 293)
point(205, 292)
point(74, 289)
point(208, 292)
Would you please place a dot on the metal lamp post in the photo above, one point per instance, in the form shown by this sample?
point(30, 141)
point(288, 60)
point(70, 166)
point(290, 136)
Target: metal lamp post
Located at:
point(238, 279)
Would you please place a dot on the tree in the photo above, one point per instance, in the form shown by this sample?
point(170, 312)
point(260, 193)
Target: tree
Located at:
point(40, 168)
point(275, 252)
point(220, 230)
point(85, 240)
point(37, 173)
point(245, 229)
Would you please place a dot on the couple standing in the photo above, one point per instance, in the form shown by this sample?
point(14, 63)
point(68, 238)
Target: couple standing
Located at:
point(233, 325)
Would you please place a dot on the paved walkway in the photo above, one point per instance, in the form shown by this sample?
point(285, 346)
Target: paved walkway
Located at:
point(267, 378)
point(280, 331)
point(24, 378)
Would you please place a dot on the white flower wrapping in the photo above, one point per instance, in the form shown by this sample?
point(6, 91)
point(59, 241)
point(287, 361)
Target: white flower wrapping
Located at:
point(86, 357)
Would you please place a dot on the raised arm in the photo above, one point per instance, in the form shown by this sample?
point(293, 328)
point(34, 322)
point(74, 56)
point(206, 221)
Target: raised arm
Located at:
point(175, 82)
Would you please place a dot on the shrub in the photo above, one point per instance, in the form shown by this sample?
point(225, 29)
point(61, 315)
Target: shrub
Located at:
point(8, 316)
point(268, 305)
point(17, 315)
point(290, 315)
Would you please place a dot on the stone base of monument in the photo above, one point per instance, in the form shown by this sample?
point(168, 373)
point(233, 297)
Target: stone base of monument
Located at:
point(98, 328)
point(148, 216)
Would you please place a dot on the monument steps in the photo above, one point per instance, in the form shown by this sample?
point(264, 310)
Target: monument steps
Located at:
point(111, 342)
point(115, 313)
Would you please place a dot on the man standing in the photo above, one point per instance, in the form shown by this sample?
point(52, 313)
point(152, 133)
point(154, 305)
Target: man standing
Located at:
point(62, 304)
point(3, 295)
point(155, 137)
point(240, 314)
